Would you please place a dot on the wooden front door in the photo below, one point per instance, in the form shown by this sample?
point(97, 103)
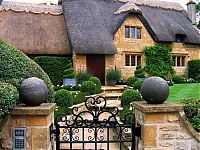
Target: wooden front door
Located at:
point(96, 66)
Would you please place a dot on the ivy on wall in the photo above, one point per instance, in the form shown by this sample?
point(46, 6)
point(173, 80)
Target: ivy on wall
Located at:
point(158, 61)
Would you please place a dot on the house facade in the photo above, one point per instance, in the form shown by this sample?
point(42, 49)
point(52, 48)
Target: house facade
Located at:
point(101, 35)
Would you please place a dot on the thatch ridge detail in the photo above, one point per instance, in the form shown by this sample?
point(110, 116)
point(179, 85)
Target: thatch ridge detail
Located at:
point(32, 8)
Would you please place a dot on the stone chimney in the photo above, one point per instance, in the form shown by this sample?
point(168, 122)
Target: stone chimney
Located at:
point(191, 11)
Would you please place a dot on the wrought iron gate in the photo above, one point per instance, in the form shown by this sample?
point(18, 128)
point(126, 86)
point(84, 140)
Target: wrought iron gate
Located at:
point(94, 127)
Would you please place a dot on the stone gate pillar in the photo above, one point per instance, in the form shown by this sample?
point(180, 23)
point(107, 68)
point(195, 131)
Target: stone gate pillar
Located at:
point(165, 127)
point(36, 120)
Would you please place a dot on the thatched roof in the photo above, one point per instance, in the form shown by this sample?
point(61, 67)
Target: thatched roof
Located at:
point(164, 20)
point(91, 25)
point(34, 29)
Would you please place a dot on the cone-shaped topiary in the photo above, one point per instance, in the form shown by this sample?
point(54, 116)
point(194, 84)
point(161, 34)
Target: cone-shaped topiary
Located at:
point(69, 72)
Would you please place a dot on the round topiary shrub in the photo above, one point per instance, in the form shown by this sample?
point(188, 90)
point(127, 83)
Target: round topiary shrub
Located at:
point(178, 79)
point(83, 76)
point(9, 96)
point(88, 87)
point(63, 98)
point(137, 85)
point(131, 80)
point(129, 96)
point(15, 66)
point(97, 82)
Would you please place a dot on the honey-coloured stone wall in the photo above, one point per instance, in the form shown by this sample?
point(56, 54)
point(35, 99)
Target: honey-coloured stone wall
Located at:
point(37, 121)
point(165, 127)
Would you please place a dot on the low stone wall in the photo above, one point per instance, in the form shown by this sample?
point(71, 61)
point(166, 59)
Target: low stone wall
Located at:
point(165, 127)
point(36, 120)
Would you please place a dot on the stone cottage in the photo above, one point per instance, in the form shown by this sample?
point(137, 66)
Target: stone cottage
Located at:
point(102, 34)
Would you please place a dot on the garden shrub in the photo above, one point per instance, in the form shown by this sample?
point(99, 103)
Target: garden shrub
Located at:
point(127, 115)
point(76, 88)
point(9, 97)
point(60, 111)
point(131, 80)
point(192, 111)
point(88, 87)
point(158, 55)
point(198, 78)
point(139, 72)
point(78, 97)
point(63, 98)
point(15, 66)
point(83, 76)
point(194, 68)
point(67, 87)
point(178, 79)
point(137, 85)
point(98, 84)
point(129, 96)
point(53, 66)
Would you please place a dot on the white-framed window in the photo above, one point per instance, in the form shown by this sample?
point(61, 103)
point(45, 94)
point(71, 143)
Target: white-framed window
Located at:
point(132, 32)
point(132, 59)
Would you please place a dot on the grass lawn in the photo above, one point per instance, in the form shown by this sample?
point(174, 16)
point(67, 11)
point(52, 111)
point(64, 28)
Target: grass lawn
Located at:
point(181, 91)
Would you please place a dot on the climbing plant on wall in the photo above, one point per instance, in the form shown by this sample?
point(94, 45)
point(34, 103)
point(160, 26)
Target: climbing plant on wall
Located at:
point(158, 61)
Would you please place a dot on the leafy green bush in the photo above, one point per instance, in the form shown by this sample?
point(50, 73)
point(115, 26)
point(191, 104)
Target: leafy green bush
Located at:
point(83, 76)
point(158, 55)
point(9, 96)
point(88, 87)
point(15, 66)
point(137, 85)
point(127, 115)
point(67, 87)
point(138, 71)
point(53, 66)
point(98, 84)
point(113, 74)
point(192, 111)
point(194, 68)
point(198, 78)
point(129, 96)
point(60, 111)
point(79, 97)
point(63, 98)
point(131, 80)
point(76, 88)
point(178, 79)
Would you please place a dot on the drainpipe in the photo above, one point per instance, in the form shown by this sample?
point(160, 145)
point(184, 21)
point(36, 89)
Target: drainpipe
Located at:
point(191, 11)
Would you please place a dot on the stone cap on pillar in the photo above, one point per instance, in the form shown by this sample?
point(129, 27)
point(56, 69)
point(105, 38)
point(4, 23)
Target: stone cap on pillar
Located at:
point(152, 108)
point(43, 109)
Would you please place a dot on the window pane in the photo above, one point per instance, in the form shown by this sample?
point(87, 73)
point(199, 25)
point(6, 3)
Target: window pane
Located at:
point(174, 60)
point(132, 32)
point(132, 60)
point(138, 33)
point(127, 32)
point(183, 60)
point(138, 60)
point(178, 61)
point(127, 62)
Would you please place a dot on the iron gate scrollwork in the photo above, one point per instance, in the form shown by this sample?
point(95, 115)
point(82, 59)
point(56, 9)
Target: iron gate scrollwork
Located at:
point(94, 127)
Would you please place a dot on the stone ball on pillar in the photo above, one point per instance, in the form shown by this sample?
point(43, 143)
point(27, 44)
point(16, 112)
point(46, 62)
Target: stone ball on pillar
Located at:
point(155, 90)
point(33, 91)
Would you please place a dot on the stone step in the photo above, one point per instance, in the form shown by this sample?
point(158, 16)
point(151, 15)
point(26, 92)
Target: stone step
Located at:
point(112, 89)
point(112, 96)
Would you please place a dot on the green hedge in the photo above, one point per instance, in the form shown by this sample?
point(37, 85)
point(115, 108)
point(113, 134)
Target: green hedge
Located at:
point(53, 66)
point(194, 68)
point(15, 66)
point(9, 96)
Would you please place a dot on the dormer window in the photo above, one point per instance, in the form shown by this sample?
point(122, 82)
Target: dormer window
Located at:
point(132, 32)
point(180, 38)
